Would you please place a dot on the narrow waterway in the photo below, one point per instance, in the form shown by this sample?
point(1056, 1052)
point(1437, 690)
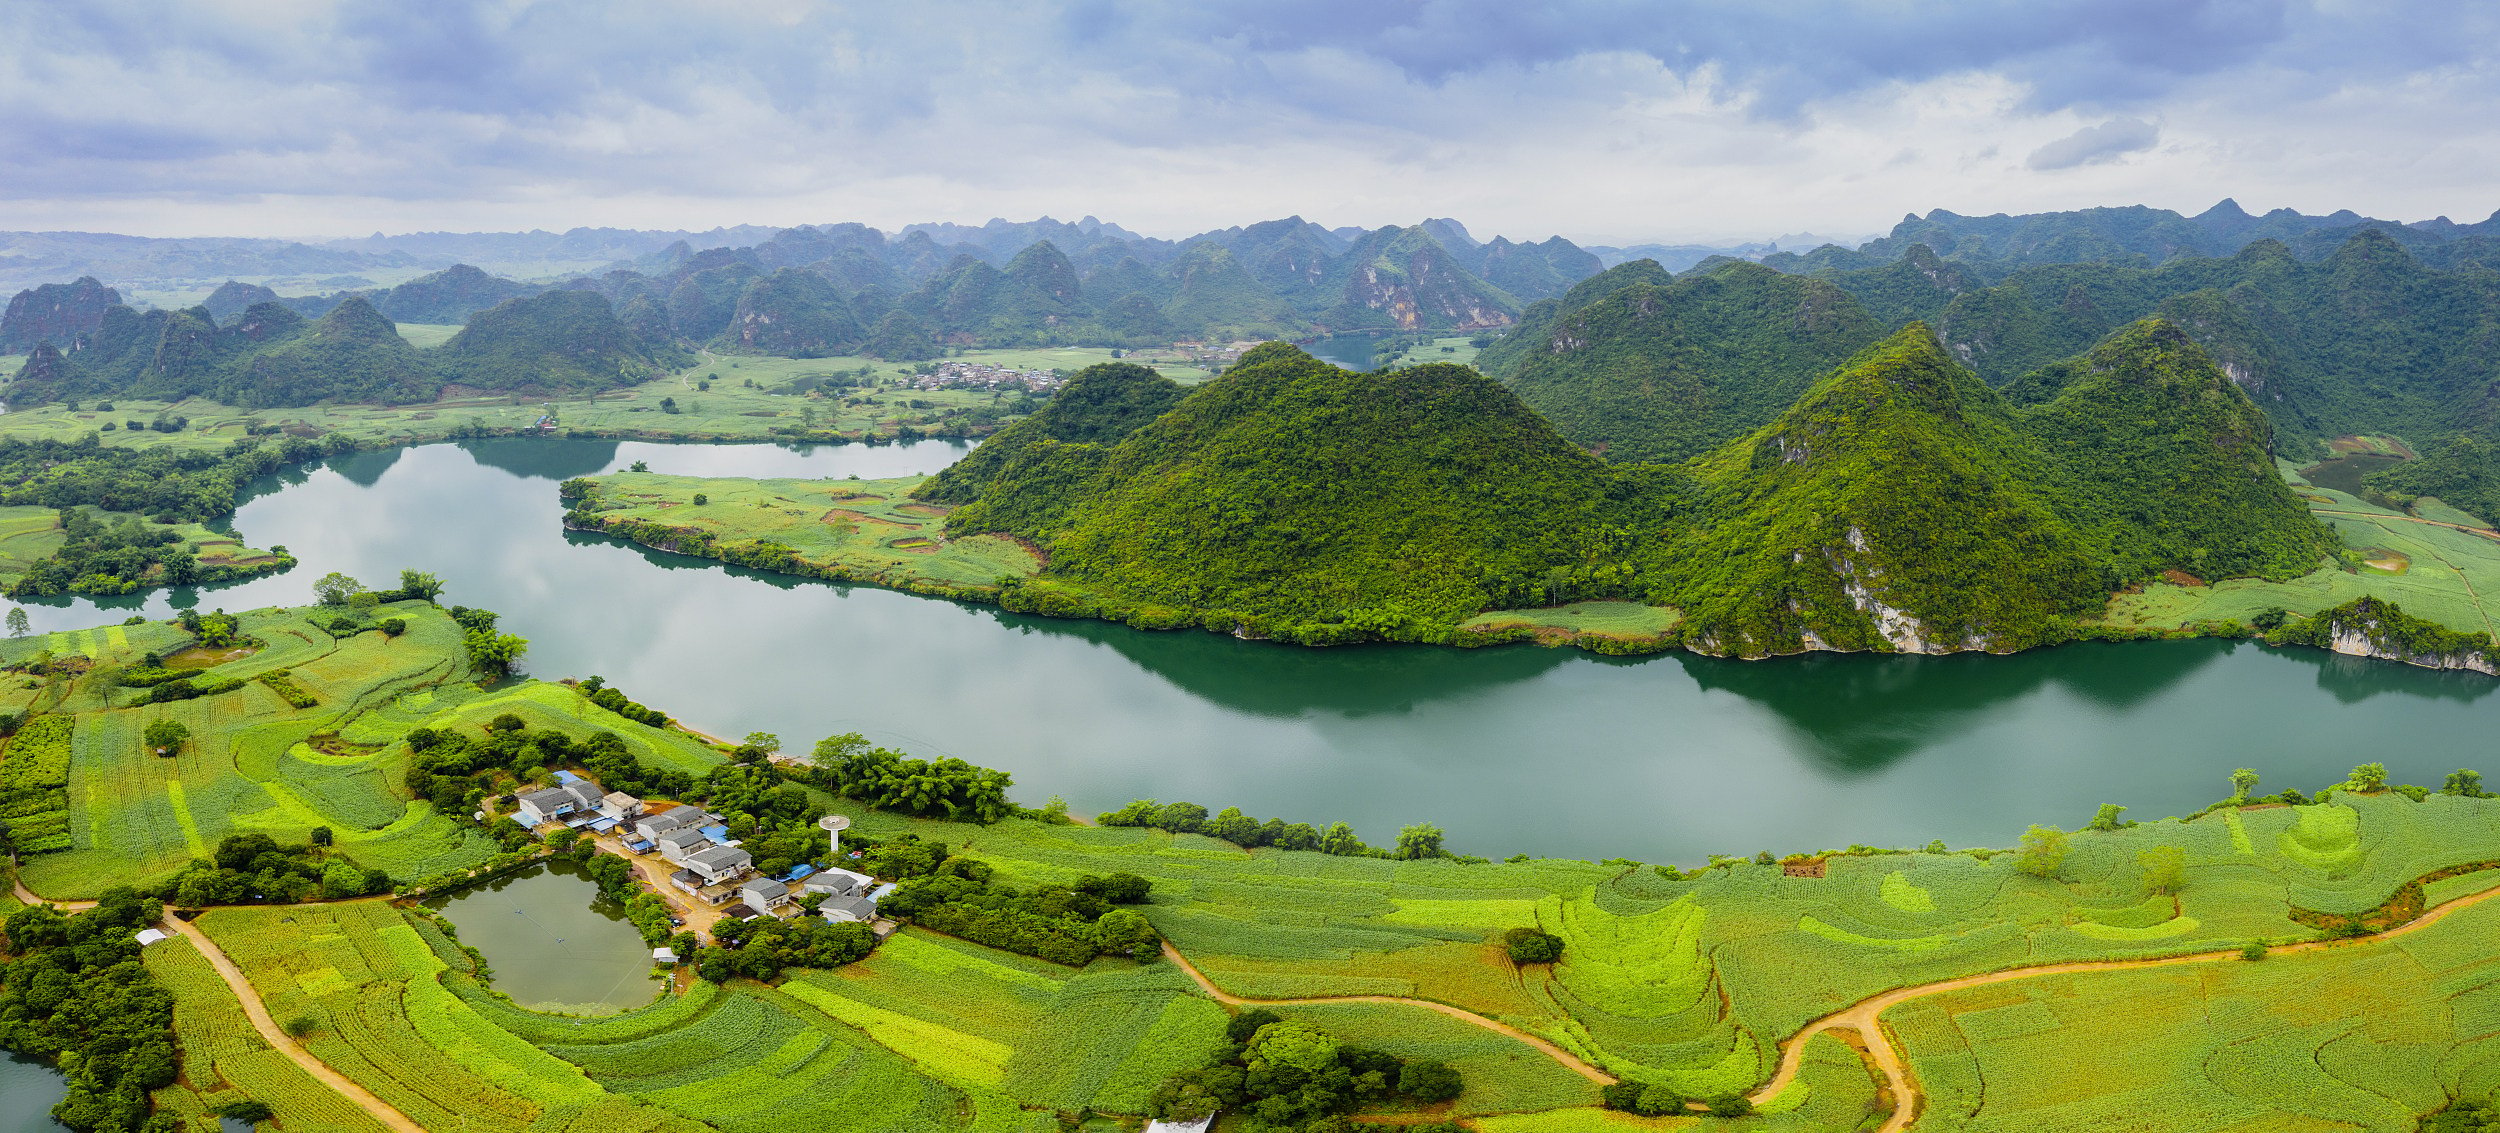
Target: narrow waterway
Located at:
point(1517, 749)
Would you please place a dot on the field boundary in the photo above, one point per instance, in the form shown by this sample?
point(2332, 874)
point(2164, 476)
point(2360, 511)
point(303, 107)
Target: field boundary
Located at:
point(1567, 1059)
point(1882, 1048)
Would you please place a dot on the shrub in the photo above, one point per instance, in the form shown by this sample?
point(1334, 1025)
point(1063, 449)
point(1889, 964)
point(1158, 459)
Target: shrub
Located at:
point(1532, 946)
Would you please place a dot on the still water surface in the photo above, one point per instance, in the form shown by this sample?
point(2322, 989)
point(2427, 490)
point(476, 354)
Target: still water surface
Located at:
point(553, 942)
point(1514, 749)
point(28, 1091)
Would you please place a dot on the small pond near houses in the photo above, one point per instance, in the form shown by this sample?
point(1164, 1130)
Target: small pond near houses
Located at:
point(553, 942)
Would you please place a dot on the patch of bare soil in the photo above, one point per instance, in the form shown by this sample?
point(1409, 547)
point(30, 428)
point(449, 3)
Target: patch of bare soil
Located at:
point(2181, 578)
point(207, 657)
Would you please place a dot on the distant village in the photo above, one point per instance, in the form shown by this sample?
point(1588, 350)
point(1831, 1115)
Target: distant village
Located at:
point(976, 375)
point(710, 866)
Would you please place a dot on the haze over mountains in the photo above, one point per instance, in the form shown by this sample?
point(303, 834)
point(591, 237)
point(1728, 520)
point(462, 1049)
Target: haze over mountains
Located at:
point(2333, 324)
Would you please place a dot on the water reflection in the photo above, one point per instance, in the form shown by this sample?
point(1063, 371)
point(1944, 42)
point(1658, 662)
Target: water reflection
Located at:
point(1509, 749)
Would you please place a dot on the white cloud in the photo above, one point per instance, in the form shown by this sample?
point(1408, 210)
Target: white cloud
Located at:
point(1721, 119)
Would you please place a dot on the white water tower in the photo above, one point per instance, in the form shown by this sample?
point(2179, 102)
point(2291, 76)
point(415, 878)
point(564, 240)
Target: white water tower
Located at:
point(833, 825)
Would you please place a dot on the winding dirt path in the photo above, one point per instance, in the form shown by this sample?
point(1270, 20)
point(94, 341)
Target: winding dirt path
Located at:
point(258, 1013)
point(2485, 532)
point(1864, 1018)
point(1568, 1060)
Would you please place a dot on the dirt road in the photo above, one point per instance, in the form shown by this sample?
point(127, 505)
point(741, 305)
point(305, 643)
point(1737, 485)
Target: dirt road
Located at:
point(257, 1012)
point(1558, 1054)
point(1864, 1018)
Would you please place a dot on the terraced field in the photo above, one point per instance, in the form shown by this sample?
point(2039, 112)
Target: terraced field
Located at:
point(257, 763)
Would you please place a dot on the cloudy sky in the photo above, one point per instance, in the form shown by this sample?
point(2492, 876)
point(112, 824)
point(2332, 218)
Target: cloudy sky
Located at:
point(1705, 119)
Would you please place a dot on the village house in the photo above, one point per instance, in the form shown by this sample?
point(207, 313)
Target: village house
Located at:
point(573, 801)
point(709, 873)
point(763, 894)
point(847, 895)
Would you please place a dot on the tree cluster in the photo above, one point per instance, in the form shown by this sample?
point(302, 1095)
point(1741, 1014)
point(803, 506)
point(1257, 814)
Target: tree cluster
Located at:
point(78, 997)
point(251, 869)
point(1415, 841)
point(1286, 1076)
point(764, 947)
point(1065, 924)
point(849, 765)
point(493, 653)
point(615, 700)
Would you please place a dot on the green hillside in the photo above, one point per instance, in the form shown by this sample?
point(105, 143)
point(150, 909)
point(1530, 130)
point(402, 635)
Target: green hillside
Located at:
point(1099, 406)
point(1665, 370)
point(1888, 509)
point(268, 357)
point(1320, 504)
point(556, 340)
point(2166, 465)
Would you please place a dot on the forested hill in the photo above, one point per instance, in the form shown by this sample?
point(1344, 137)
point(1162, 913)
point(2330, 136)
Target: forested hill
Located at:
point(269, 356)
point(2143, 236)
point(1099, 406)
point(1661, 370)
point(1902, 501)
point(1320, 504)
point(1899, 503)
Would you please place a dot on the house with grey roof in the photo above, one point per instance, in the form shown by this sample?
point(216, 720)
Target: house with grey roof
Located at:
point(716, 864)
point(763, 893)
point(837, 883)
point(679, 817)
point(573, 803)
point(676, 845)
point(841, 909)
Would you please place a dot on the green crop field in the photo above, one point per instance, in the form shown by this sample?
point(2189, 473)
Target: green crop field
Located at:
point(731, 410)
point(255, 763)
point(1629, 623)
point(751, 1058)
point(861, 530)
point(1687, 979)
point(224, 1059)
point(2434, 572)
point(27, 535)
point(30, 534)
point(383, 1016)
point(426, 336)
point(979, 1019)
point(2368, 1036)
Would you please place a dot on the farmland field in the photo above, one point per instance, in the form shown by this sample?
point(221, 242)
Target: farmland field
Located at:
point(862, 530)
point(731, 410)
point(1692, 980)
point(2434, 572)
point(255, 762)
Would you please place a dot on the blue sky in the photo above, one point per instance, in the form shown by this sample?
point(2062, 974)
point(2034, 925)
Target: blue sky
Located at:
point(1601, 121)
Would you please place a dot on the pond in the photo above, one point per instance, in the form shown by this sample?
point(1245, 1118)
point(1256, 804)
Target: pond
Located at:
point(553, 942)
point(28, 1091)
point(2344, 473)
point(1515, 749)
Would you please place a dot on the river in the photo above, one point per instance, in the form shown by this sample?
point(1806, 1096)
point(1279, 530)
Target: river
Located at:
point(1516, 749)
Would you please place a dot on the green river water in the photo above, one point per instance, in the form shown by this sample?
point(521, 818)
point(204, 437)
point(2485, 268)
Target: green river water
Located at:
point(1515, 749)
